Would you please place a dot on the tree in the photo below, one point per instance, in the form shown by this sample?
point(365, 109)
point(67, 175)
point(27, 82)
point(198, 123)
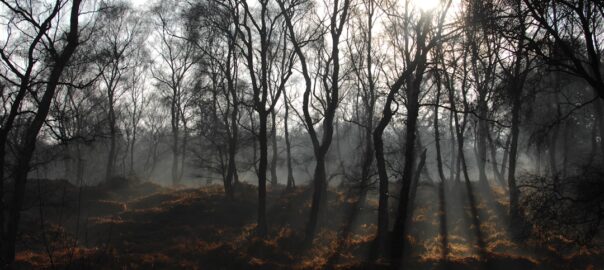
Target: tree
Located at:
point(261, 43)
point(567, 38)
point(138, 101)
point(173, 70)
point(516, 73)
point(330, 78)
point(120, 38)
point(20, 77)
point(60, 54)
point(414, 53)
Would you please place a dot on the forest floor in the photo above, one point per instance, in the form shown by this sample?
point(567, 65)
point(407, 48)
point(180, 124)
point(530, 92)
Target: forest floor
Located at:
point(146, 226)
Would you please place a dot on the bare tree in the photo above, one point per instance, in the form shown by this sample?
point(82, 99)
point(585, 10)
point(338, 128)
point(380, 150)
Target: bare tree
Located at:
point(60, 54)
point(173, 70)
point(261, 43)
point(415, 41)
point(338, 13)
point(120, 37)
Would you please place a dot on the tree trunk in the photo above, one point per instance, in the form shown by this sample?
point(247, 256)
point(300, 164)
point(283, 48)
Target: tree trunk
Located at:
point(290, 174)
point(175, 141)
point(262, 166)
point(233, 138)
point(453, 161)
point(493, 150)
point(274, 148)
point(175, 158)
point(481, 139)
point(110, 170)
point(398, 233)
point(320, 186)
point(231, 178)
point(506, 156)
point(383, 220)
point(439, 160)
point(183, 152)
point(80, 165)
point(415, 184)
point(514, 211)
point(134, 130)
point(441, 186)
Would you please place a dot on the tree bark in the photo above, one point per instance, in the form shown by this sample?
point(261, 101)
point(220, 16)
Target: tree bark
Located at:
point(514, 211)
point(110, 170)
point(262, 166)
point(400, 228)
point(291, 183)
point(493, 150)
point(274, 148)
point(175, 122)
point(439, 160)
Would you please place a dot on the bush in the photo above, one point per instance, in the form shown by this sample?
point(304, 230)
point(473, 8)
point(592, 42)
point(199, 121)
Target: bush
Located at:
point(565, 208)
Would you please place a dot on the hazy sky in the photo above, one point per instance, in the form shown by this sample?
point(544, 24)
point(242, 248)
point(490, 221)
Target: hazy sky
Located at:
point(140, 3)
point(424, 4)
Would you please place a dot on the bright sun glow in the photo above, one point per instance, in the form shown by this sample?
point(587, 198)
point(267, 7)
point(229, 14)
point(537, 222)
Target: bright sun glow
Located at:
point(427, 5)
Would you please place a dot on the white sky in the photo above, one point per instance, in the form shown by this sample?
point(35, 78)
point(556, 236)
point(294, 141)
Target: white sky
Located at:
point(140, 3)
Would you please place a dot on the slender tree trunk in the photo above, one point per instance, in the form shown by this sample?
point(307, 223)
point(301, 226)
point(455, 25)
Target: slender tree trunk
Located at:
point(175, 159)
point(398, 233)
point(496, 173)
point(110, 170)
point(452, 145)
point(424, 169)
point(415, 185)
point(481, 157)
point(79, 165)
point(517, 224)
point(183, 152)
point(506, 155)
point(175, 141)
point(441, 185)
point(274, 148)
point(290, 174)
point(514, 211)
point(229, 185)
point(383, 216)
point(232, 165)
point(132, 168)
point(439, 160)
point(262, 167)
point(320, 187)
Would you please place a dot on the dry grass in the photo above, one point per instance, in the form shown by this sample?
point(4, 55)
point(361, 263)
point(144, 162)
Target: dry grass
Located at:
point(202, 229)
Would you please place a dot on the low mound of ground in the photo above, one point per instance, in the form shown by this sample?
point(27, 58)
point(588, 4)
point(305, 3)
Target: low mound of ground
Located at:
point(146, 226)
